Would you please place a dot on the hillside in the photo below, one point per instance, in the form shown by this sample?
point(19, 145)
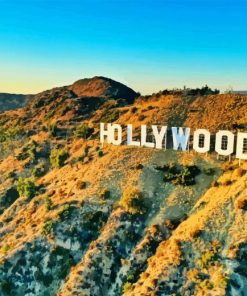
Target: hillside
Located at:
point(13, 101)
point(80, 219)
point(103, 87)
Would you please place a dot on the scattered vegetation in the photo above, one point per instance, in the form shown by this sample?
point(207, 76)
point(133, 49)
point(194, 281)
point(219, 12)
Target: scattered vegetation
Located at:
point(39, 170)
point(133, 201)
point(110, 116)
point(104, 194)
point(100, 153)
point(240, 172)
point(184, 176)
point(58, 157)
point(141, 117)
point(48, 227)
point(215, 184)
point(65, 213)
point(207, 258)
point(50, 114)
point(208, 171)
point(6, 248)
point(48, 203)
point(81, 185)
point(227, 182)
point(203, 91)
point(8, 198)
point(11, 175)
point(242, 203)
point(26, 188)
point(52, 129)
point(83, 131)
point(126, 287)
point(10, 133)
point(134, 110)
point(64, 110)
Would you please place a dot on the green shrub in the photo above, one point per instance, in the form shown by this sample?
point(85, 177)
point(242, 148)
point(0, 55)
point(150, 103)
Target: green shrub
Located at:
point(242, 204)
point(48, 203)
point(185, 176)
point(104, 194)
point(65, 213)
point(11, 175)
point(206, 285)
point(48, 227)
point(240, 172)
point(6, 286)
point(39, 171)
point(86, 150)
point(110, 116)
point(8, 198)
point(139, 167)
point(10, 133)
point(26, 188)
point(6, 248)
point(207, 258)
point(133, 201)
point(64, 110)
point(94, 220)
point(52, 129)
point(223, 281)
point(29, 150)
point(141, 117)
point(32, 151)
point(83, 131)
point(100, 153)
point(58, 157)
point(215, 184)
point(50, 114)
point(134, 110)
point(227, 182)
point(208, 171)
point(81, 185)
point(126, 287)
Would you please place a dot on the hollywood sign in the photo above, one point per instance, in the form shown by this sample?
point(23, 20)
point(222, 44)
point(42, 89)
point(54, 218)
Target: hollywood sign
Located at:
point(226, 143)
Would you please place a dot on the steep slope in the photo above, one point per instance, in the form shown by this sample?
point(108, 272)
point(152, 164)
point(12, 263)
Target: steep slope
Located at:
point(80, 219)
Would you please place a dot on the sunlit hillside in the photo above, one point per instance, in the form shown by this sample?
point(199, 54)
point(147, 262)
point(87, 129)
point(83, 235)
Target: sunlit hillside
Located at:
point(79, 218)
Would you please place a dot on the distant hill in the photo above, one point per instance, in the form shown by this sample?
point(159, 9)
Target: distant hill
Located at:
point(242, 92)
point(13, 101)
point(103, 87)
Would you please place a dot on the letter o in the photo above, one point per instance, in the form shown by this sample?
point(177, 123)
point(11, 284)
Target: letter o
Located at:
point(205, 147)
point(219, 144)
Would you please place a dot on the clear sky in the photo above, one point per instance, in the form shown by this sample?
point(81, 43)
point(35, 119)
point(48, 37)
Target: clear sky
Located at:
point(148, 44)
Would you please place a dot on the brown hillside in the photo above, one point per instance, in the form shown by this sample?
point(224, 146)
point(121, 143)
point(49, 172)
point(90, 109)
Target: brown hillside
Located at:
point(80, 219)
point(103, 87)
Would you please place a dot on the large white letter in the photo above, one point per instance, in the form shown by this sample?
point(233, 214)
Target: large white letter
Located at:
point(224, 143)
point(180, 138)
point(118, 128)
point(129, 137)
point(242, 146)
point(159, 136)
point(144, 142)
point(201, 141)
point(105, 133)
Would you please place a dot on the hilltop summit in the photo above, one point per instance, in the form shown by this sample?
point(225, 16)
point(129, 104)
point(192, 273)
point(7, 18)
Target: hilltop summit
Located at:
point(99, 86)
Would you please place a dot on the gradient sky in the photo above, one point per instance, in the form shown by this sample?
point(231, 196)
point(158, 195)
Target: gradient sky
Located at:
point(148, 44)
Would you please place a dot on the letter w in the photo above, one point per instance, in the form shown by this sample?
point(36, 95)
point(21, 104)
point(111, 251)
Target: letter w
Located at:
point(180, 138)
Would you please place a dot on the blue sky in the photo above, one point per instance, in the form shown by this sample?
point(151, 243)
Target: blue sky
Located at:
point(148, 44)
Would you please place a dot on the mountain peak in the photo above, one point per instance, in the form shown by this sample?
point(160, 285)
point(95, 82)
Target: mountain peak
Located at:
point(100, 86)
